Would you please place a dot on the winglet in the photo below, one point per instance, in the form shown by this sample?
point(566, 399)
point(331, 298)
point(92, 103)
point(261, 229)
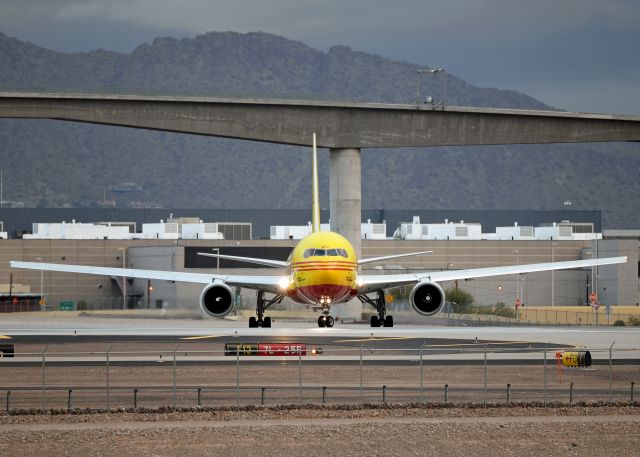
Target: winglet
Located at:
point(315, 216)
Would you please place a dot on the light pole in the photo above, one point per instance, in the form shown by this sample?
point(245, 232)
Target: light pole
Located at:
point(418, 73)
point(217, 251)
point(124, 279)
point(434, 71)
point(517, 277)
point(553, 276)
point(42, 301)
point(449, 265)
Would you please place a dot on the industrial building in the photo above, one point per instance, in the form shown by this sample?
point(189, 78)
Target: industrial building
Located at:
point(173, 244)
point(18, 221)
point(616, 285)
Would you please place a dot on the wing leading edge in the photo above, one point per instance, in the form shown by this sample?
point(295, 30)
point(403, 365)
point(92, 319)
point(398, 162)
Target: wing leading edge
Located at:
point(274, 284)
point(372, 283)
point(271, 284)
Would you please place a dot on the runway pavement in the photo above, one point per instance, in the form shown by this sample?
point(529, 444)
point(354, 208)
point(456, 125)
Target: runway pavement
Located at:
point(42, 329)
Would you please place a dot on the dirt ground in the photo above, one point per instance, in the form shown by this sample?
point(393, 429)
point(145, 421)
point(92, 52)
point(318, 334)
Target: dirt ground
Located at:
point(315, 431)
point(343, 428)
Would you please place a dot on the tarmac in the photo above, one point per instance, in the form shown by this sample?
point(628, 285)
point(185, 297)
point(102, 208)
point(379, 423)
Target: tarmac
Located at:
point(48, 328)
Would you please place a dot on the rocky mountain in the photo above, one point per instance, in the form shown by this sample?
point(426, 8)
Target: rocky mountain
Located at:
point(52, 163)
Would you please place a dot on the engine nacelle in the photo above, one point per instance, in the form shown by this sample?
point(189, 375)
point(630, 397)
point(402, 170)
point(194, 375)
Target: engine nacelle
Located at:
point(427, 298)
point(217, 300)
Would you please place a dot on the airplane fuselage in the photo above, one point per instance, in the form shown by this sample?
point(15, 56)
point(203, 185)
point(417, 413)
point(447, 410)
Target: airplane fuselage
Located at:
point(323, 270)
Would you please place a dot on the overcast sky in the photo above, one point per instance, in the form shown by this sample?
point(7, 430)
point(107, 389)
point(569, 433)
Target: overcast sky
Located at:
point(579, 55)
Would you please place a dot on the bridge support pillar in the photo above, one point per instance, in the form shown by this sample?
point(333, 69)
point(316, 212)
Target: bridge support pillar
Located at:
point(345, 194)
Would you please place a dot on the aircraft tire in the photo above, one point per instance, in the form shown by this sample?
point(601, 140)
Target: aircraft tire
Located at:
point(375, 322)
point(322, 321)
point(266, 322)
point(253, 323)
point(388, 321)
point(330, 321)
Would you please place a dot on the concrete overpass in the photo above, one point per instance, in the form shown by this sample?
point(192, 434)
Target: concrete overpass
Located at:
point(344, 128)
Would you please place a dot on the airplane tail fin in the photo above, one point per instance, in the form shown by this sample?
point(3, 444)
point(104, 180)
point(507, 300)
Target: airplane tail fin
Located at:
point(315, 216)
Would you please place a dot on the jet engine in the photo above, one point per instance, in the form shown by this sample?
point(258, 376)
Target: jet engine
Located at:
point(216, 300)
point(427, 298)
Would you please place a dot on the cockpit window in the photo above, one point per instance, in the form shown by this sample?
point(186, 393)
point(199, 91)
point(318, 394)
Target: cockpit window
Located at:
point(325, 252)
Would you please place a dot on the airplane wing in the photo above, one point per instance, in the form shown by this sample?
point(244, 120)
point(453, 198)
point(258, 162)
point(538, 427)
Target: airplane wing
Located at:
point(372, 283)
point(267, 262)
point(272, 284)
point(388, 257)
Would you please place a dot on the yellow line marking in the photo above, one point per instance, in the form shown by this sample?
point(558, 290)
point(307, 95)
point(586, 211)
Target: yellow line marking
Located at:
point(5, 337)
point(479, 344)
point(376, 339)
point(203, 337)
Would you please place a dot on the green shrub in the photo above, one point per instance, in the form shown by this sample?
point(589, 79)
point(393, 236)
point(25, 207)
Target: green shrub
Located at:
point(462, 299)
point(619, 323)
point(634, 320)
point(499, 310)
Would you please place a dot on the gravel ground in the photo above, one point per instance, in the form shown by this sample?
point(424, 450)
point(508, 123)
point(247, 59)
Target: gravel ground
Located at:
point(496, 431)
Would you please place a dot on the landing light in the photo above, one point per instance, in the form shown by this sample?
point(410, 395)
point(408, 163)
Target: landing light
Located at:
point(283, 283)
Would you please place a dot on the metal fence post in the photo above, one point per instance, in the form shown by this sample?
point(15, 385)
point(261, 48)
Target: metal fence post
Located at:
point(384, 394)
point(610, 370)
point(632, 384)
point(108, 381)
point(571, 393)
point(262, 396)
point(199, 397)
point(508, 393)
point(324, 394)
point(446, 393)
point(238, 378)
point(44, 382)
point(9, 394)
point(300, 377)
point(361, 389)
point(174, 378)
point(135, 398)
point(69, 399)
point(544, 395)
point(485, 372)
point(421, 375)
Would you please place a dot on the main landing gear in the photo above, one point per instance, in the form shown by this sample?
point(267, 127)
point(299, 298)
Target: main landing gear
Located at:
point(261, 306)
point(381, 320)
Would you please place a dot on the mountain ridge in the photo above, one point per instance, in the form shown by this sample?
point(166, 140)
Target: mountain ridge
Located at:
point(54, 163)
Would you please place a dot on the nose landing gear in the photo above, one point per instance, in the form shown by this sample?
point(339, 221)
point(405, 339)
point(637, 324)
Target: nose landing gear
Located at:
point(325, 320)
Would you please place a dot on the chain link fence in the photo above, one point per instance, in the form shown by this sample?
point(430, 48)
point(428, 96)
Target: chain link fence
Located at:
point(502, 315)
point(189, 377)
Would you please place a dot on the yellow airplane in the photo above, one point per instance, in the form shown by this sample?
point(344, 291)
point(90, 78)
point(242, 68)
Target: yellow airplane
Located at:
point(321, 270)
